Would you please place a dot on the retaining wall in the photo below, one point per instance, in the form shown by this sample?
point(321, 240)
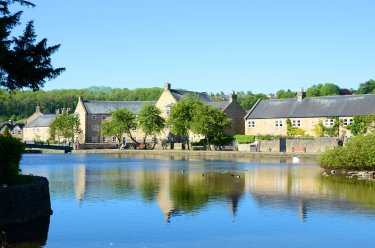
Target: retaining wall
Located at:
point(23, 203)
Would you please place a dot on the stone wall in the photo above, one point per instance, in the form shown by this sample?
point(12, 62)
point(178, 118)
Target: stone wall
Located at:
point(315, 145)
point(23, 203)
point(236, 113)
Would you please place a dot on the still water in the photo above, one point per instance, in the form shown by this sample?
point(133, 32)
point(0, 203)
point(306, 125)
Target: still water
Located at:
point(118, 201)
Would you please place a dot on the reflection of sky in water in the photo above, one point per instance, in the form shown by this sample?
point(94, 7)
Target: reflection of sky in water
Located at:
point(101, 200)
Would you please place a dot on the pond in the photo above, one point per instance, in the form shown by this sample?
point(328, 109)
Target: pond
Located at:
point(119, 201)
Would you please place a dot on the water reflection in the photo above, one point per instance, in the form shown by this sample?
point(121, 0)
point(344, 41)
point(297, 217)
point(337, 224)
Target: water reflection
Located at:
point(188, 185)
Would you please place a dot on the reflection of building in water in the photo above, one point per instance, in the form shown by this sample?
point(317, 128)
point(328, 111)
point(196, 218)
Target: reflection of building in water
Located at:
point(80, 181)
point(164, 196)
point(290, 186)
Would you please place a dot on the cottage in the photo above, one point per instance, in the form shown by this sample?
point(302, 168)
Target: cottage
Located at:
point(15, 129)
point(37, 126)
point(269, 117)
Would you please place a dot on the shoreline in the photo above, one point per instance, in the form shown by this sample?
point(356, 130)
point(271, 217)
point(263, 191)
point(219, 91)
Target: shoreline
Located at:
point(212, 154)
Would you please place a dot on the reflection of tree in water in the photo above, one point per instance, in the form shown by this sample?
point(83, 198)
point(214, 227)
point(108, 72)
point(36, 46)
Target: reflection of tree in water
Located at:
point(359, 192)
point(192, 191)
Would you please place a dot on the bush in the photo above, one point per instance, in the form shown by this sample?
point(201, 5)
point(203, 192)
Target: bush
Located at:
point(244, 139)
point(11, 150)
point(357, 154)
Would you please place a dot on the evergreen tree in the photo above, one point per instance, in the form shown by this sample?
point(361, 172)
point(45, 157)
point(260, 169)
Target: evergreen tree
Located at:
point(24, 63)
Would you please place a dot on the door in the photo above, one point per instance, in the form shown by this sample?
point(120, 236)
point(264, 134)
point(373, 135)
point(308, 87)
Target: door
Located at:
point(282, 144)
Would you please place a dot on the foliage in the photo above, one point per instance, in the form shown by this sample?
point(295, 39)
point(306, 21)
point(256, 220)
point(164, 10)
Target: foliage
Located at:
point(11, 150)
point(320, 130)
point(65, 125)
point(294, 131)
point(181, 116)
point(327, 89)
point(150, 121)
point(367, 87)
point(23, 61)
point(248, 99)
point(362, 124)
point(244, 139)
point(281, 94)
point(210, 122)
point(122, 121)
point(6, 132)
point(357, 154)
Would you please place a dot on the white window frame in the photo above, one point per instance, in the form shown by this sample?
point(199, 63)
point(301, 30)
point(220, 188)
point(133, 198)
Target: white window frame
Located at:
point(348, 121)
point(114, 139)
point(134, 129)
point(104, 117)
point(329, 122)
point(279, 123)
point(104, 139)
point(296, 123)
point(167, 110)
point(250, 124)
point(94, 139)
point(93, 117)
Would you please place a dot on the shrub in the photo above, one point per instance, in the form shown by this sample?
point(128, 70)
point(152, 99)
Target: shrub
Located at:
point(244, 139)
point(11, 150)
point(357, 154)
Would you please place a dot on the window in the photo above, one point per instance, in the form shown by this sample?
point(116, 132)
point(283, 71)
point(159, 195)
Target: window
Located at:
point(278, 123)
point(114, 139)
point(134, 129)
point(94, 139)
point(167, 110)
point(19, 132)
point(329, 122)
point(94, 128)
point(104, 139)
point(93, 117)
point(296, 123)
point(251, 124)
point(104, 117)
point(348, 121)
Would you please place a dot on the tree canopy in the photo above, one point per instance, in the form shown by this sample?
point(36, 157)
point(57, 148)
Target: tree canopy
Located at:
point(150, 121)
point(24, 62)
point(65, 126)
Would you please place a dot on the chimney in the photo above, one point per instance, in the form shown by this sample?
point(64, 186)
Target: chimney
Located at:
point(233, 97)
point(37, 108)
point(301, 95)
point(167, 86)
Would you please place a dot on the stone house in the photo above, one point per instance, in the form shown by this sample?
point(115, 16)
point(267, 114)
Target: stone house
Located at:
point(269, 117)
point(92, 113)
point(15, 129)
point(37, 126)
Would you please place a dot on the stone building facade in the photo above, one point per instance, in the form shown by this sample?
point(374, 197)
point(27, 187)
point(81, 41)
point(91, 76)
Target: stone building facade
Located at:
point(269, 117)
point(92, 113)
point(37, 126)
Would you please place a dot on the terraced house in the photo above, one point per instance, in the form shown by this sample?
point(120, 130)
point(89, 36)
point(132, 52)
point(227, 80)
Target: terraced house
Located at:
point(269, 117)
point(92, 113)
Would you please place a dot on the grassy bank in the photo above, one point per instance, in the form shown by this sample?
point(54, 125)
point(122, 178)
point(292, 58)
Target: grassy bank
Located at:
point(357, 154)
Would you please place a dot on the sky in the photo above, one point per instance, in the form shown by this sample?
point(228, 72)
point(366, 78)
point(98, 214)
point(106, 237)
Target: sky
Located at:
point(208, 45)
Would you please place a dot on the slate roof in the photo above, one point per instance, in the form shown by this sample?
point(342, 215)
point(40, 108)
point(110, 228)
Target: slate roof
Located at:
point(105, 107)
point(10, 126)
point(220, 105)
point(340, 106)
point(41, 121)
point(179, 94)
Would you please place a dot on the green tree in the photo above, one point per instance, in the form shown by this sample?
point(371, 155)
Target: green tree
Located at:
point(23, 61)
point(362, 124)
point(366, 87)
point(122, 121)
point(313, 91)
point(210, 122)
point(6, 132)
point(281, 94)
point(65, 125)
point(150, 121)
point(181, 117)
point(329, 89)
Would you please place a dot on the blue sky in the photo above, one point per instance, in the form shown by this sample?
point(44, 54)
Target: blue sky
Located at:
point(209, 45)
